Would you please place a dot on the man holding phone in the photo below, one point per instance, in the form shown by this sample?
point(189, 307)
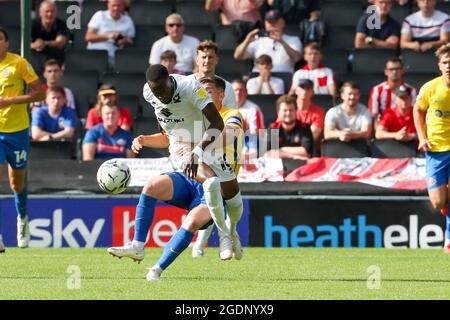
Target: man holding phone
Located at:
point(284, 50)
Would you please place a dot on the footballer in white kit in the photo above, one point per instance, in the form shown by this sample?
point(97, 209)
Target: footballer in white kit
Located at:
point(188, 116)
point(183, 121)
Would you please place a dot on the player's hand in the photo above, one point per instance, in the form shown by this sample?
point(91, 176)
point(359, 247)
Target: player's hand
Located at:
point(251, 36)
point(190, 167)
point(137, 144)
point(424, 145)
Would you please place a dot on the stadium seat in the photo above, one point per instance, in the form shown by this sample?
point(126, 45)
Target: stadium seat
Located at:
point(90, 7)
point(10, 14)
point(87, 60)
point(443, 6)
point(230, 65)
point(152, 13)
point(77, 39)
point(340, 13)
point(131, 60)
point(225, 38)
point(37, 60)
point(147, 35)
point(371, 60)
point(337, 60)
point(325, 101)
point(62, 8)
point(51, 150)
point(126, 84)
point(267, 103)
point(132, 102)
point(200, 32)
point(420, 62)
point(145, 126)
point(391, 148)
point(358, 148)
point(84, 86)
point(365, 80)
point(339, 38)
point(194, 14)
point(14, 39)
point(417, 80)
point(399, 13)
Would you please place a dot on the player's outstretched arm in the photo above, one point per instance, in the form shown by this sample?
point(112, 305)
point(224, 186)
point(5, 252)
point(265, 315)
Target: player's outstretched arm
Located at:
point(420, 124)
point(157, 141)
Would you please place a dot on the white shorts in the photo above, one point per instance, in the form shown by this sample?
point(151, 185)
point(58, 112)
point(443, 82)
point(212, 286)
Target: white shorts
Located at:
point(215, 160)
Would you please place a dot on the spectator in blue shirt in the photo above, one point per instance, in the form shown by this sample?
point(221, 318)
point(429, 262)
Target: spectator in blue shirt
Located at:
point(54, 121)
point(385, 35)
point(107, 140)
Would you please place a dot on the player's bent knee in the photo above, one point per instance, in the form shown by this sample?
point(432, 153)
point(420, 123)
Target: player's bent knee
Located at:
point(211, 184)
point(438, 203)
point(159, 187)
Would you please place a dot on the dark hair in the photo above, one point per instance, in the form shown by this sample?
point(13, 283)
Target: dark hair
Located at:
point(264, 59)
point(218, 82)
point(168, 54)
point(394, 60)
point(207, 45)
point(5, 33)
point(156, 72)
point(56, 89)
point(52, 62)
point(287, 99)
point(240, 81)
point(350, 84)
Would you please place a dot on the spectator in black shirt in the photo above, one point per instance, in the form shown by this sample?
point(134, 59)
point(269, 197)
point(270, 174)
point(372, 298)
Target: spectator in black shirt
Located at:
point(49, 34)
point(295, 139)
point(295, 11)
point(385, 35)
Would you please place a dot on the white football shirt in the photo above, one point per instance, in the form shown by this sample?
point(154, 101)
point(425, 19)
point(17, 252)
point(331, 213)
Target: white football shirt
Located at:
point(182, 119)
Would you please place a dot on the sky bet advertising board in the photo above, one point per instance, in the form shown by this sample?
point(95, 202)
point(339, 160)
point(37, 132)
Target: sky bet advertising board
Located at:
point(345, 223)
point(95, 222)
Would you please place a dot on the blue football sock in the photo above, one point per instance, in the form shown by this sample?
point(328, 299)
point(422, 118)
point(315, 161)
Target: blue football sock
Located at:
point(20, 201)
point(447, 229)
point(176, 245)
point(144, 217)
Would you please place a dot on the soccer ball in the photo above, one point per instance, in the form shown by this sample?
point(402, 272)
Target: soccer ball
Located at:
point(113, 176)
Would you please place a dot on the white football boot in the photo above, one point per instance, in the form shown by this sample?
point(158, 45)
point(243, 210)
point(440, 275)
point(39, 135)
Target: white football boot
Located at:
point(23, 232)
point(2, 245)
point(154, 273)
point(225, 248)
point(128, 251)
point(197, 253)
point(237, 248)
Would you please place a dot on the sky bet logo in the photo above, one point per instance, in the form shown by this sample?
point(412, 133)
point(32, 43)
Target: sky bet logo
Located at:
point(351, 233)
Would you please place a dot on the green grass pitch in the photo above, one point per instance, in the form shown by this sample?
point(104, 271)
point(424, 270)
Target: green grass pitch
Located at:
point(263, 274)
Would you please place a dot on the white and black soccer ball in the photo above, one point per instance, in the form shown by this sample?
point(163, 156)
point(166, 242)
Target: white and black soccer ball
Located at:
point(114, 176)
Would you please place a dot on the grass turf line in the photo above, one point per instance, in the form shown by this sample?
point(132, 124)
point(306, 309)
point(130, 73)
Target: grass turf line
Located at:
point(294, 273)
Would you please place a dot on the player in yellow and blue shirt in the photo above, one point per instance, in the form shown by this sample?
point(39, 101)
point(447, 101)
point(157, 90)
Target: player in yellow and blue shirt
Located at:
point(15, 72)
point(233, 144)
point(432, 121)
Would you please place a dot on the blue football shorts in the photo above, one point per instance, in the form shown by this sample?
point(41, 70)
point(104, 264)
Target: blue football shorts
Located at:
point(438, 169)
point(187, 194)
point(14, 148)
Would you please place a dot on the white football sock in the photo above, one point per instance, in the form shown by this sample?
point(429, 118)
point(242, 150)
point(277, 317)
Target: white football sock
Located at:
point(214, 201)
point(202, 237)
point(234, 210)
point(138, 244)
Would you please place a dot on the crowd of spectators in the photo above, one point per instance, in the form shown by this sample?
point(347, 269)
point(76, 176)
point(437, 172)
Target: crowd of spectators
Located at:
point(386, 114)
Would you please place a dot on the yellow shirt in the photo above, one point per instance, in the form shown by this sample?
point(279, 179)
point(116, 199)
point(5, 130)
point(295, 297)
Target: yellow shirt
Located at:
point(14, 71)
point(232, 118)
point(434, 98)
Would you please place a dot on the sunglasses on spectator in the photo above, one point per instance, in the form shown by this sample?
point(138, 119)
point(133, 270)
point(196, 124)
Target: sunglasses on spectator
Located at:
point(171, 25)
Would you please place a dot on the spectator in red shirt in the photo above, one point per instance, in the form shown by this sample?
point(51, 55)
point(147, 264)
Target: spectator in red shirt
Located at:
point(307, 112)
point(295, 139)
point(107, 95)
point(398, 122)
point(381, 96)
